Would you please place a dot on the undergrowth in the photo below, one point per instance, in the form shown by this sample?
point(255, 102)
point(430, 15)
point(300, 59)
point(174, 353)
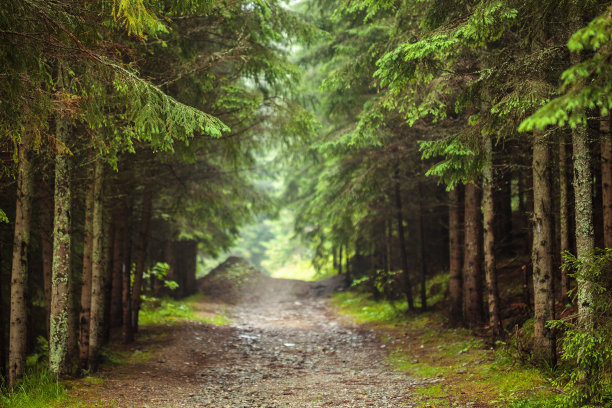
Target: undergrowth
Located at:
point(469, 369)
point(167, 311)
point(38, 389)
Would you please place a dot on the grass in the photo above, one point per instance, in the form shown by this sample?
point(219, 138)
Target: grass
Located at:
point(424, 347)
point(37, 390)
point(167, 311)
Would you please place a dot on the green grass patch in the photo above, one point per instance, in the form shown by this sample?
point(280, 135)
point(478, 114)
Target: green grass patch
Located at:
point(36, 390)
point(167, 311)
point(424, 347)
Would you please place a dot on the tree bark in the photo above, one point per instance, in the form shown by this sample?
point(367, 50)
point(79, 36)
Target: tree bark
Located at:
point(541, 255)
point(59, 362)
point(488, 206)
point(97, 272)
point(455, 255)
point(422, 257)
point(606, 178)
point(46, 247)
point(402, 242)
point(117, 271)
point(126, 274)
point(86, 286)
point(141, 255)
point(564, 218)
point(19, 272)
point(585, 240)
point(107, 247)
point(472, 289)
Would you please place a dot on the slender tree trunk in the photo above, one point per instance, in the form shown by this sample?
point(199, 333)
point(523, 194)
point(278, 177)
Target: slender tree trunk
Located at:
point(388, 241)
point(585, 240)
point(61, 296)
point(564, 218)
point(340, 260)
point(455, 284)
point(422, 257)
point(190, 262)
point(97, 272)
point(3, 330)
point(541, 255)
point(606, 178)
point(86, 286)
point(488, 205)
point(472, 280)
point(117, 277)
point(141, 255)
point(126, 274)
point(107, 247)
point(402, 242)
point(21, 245)
point(46, 245)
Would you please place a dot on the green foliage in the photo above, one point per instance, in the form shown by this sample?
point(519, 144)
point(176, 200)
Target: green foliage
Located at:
point(37, 389)
point(587, 351)
point(3, 217)
point(159, 272)
point(587, 84)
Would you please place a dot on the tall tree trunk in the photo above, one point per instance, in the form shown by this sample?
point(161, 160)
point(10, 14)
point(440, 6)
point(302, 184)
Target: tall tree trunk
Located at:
point(421, 255)
point(21, 245)
point(340, 260)
point(606, 178)
point(97, 272)
point(541, 255)
point(141, 255)
point(86, 286)
point(388, 241)
point(117, 271)
point(126, 275)
point(564, 216)
point(61, 296)
point(472, 280)
point(455, 285)
point(585, 240)
point(190, 251)
point(3, 330)
point(107, 248)
point(488, 206)
point(402, 242)
point(46, 247)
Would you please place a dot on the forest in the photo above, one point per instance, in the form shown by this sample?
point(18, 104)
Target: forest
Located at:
point(440, 155)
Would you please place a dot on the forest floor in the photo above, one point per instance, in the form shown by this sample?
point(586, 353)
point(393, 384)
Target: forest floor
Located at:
point(281, 343)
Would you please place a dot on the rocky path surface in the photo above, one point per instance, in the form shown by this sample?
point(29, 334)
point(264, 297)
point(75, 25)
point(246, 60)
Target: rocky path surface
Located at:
point(285, 348)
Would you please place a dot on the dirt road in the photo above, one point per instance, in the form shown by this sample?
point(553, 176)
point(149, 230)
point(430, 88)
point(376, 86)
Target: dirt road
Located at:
point(285, 348)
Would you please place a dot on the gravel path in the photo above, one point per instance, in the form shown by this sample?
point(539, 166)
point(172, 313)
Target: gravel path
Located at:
point(286, 348)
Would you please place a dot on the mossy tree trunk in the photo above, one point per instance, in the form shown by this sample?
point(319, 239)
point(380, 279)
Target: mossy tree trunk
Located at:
point(542, 251)
point(141, 256)
point(472, 278)
point(402, 241)
point(488, 209)
point(19, 271)
point(606, 178)
point(97, 272)
point(59, 351)
point(585, 239)
point(86, 286)
point(455, 285)
point(564, 214)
